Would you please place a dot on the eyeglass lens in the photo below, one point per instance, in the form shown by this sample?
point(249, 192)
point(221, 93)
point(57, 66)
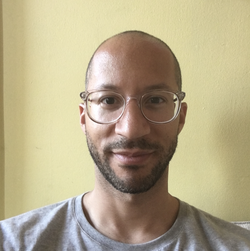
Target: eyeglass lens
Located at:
point(108, 106)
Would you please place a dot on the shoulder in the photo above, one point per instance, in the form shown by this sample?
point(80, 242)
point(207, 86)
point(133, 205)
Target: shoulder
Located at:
point(215, 230)
point(39, 214)
point(24, 229)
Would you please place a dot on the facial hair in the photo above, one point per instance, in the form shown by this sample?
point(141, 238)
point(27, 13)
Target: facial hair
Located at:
point(138, 185)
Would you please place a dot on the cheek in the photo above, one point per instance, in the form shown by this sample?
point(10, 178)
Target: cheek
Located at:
point(98, 133)
point(164, 134)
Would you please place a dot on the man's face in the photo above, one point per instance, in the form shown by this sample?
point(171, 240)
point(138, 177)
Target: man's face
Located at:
point(132, 154)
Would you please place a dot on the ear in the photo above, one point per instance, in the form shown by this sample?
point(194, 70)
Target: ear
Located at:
point(182, 116)
point(82, 117)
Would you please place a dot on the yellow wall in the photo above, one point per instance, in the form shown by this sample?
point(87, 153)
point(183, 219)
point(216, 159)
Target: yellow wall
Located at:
point(47, 45)
point(1, 121)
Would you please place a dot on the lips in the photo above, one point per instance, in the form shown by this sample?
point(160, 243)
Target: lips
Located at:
point(132, 157)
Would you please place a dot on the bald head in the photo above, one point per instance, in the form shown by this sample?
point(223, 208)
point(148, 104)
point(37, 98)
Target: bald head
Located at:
point(132, 42)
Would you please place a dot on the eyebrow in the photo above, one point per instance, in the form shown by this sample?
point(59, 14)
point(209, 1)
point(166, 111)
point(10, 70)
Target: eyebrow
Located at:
point(162, 86)
point(109, 86)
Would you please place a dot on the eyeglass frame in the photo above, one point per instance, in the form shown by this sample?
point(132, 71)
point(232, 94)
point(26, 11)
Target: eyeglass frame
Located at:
point(180, 96)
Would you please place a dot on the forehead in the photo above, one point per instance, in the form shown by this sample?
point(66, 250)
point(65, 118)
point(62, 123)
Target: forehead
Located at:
point(134, 64)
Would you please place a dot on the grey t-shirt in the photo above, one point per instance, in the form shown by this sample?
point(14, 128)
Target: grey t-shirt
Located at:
point(63, 226)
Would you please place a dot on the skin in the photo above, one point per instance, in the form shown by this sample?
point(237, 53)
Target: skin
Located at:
point(132, 64)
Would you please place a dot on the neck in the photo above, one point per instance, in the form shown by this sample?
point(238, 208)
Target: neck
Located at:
point(114, 214)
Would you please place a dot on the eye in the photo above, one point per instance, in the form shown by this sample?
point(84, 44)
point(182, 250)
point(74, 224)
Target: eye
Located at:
point(156, 100)
point(108, 100)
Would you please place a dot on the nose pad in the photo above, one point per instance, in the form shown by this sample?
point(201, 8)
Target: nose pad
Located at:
point(130, 98)
point(132, 124)
point(128, 102)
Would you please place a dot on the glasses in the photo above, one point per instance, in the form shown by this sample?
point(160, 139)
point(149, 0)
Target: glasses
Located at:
point(107, 107)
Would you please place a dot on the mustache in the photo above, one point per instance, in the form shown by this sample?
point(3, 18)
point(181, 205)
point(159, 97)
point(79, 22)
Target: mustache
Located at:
point(131, 144)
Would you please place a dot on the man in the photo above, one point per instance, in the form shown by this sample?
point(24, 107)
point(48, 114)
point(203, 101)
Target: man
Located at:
point(132, 114)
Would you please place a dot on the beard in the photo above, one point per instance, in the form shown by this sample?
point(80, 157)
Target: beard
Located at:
point(136, 185)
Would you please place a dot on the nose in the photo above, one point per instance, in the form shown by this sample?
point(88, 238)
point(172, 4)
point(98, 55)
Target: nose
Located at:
point(132, 124)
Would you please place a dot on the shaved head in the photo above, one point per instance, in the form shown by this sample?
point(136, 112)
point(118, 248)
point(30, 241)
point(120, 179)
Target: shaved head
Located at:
point(132, 154)
point(134, 36)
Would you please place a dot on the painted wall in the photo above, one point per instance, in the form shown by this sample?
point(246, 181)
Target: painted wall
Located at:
point(1, 120)
point(47, 45)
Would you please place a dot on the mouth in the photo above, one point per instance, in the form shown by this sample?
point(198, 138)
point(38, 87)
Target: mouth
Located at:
point(132, 157)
